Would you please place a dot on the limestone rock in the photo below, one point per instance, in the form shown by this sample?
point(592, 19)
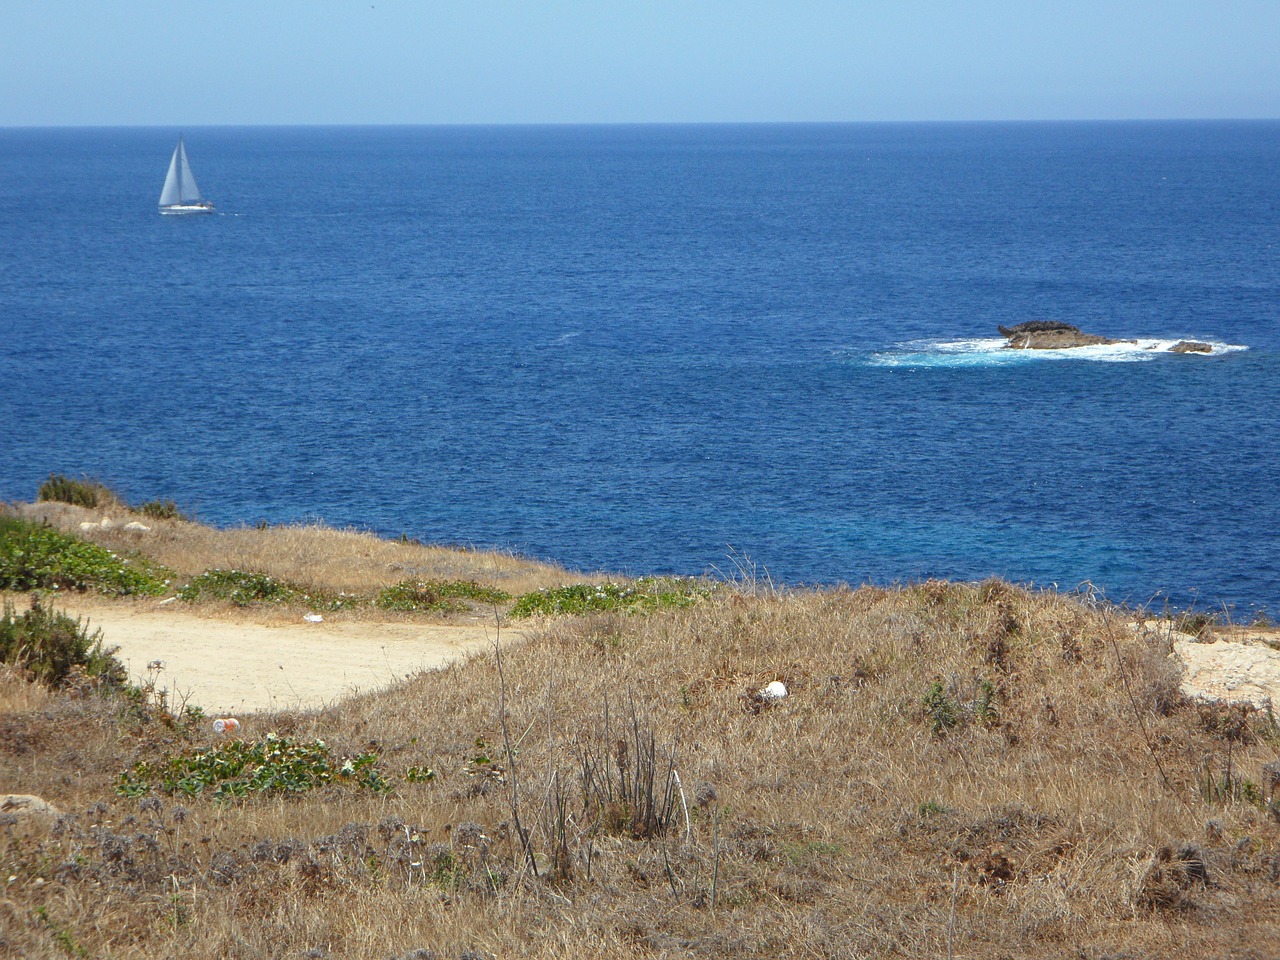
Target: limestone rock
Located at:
point(1246, 670)
point(1191, 346)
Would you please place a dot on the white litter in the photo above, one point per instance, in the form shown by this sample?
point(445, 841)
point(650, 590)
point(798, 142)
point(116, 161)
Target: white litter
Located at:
point(777, 690)
point(313, 618)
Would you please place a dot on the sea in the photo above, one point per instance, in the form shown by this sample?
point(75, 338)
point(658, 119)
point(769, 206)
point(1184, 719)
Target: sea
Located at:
point(750, 351)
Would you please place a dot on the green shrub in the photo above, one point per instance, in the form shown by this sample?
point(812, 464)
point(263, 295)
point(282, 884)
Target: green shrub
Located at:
point(82, 493)
point(643, 596)
point(161, 510)
point(241, 768)
point(437, 595)
point(240, 587)
point(34, 556)
point(51, 645)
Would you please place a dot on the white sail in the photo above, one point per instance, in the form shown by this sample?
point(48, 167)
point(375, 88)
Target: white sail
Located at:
point(180, 189)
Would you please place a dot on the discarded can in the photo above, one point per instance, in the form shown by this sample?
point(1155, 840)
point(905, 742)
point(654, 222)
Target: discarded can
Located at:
point(226, 725)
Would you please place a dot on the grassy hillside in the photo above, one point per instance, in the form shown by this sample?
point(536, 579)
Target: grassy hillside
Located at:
point(958, 770)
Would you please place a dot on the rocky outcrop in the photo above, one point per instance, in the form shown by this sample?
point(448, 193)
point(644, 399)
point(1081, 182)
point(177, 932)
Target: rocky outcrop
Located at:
point(1244, 669)
point(1191, 346)
point(1051, 335)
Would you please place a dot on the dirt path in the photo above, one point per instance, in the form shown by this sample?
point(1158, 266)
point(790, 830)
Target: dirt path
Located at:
point(230, 667)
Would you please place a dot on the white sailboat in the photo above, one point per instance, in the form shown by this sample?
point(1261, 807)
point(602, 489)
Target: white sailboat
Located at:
point(180, 193)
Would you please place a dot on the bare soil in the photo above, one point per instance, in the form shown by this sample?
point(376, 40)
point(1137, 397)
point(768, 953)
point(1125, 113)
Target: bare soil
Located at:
point(232, 663)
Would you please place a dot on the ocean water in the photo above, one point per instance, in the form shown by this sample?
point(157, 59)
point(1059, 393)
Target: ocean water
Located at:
point(672, 349)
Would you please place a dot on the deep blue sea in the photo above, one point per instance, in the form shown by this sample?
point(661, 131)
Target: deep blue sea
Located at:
point(672, 349)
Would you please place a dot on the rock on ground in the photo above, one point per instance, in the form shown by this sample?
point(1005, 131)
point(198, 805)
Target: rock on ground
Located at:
point(26, 810)
point(1239, 670)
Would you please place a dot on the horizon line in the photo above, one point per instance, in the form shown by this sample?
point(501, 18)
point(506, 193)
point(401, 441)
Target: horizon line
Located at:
point(643, 123)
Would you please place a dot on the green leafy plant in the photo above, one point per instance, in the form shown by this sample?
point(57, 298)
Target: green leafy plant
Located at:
point(53, 647)
point(930, 808)
point(245, 588)
point(940, 708)
point(642, 596)
point(946, 707)
point(35, 556)
point(240, 768)
point(81, 493)
point(437, 595)
point(240, 587)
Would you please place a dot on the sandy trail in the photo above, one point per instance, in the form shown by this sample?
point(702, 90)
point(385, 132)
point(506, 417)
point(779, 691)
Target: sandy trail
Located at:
point(229, 667)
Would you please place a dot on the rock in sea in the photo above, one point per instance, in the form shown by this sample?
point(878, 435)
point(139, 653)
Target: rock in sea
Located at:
point(1051, 335)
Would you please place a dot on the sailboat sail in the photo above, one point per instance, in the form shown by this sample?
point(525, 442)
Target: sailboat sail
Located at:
point(180, 189)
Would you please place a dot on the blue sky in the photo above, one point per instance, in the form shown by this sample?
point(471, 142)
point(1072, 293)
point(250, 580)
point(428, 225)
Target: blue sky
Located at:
point(72, 62)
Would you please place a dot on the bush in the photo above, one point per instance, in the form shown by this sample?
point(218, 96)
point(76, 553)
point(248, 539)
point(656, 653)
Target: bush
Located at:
point(240, 587)
point(81, 493)
point(643, 596)
point(35, 556)
point(437, 595)
point(51, 645)
point(161, 510)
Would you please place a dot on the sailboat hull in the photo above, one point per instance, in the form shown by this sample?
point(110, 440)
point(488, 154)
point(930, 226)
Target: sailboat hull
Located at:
point(175, 209)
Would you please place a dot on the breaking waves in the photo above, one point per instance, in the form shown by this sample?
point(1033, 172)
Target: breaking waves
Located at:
point(992, 352)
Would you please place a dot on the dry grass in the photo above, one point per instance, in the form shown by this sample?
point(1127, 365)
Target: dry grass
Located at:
point(315, 557)
point(1063, 813)
point(18, 694)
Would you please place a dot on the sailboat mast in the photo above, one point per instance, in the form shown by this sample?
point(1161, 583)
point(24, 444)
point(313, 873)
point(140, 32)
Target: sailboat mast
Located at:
point(182, 162)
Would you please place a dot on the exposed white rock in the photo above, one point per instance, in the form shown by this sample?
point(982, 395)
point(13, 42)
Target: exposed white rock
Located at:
point(137, 527)
point(1244, 670)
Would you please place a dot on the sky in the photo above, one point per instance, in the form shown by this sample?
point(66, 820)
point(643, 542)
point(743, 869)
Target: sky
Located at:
point(186, 63)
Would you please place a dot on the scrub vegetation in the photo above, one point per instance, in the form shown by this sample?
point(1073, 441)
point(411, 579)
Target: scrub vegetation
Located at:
point(958, 770)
